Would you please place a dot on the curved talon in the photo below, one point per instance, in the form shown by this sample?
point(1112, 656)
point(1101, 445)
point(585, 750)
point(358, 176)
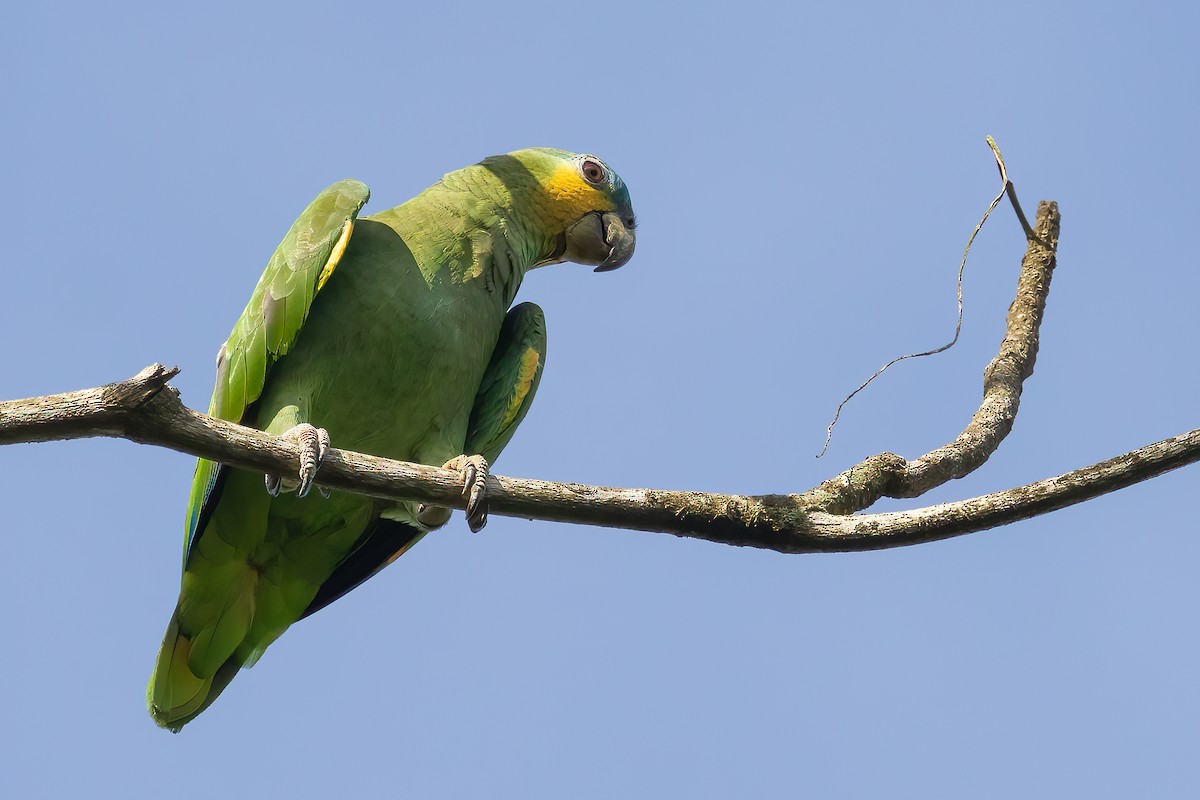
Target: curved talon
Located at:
point(313, 444)
point(475, 475)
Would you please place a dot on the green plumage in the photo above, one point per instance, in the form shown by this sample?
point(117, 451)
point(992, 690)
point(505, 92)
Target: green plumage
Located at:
point(394, 333)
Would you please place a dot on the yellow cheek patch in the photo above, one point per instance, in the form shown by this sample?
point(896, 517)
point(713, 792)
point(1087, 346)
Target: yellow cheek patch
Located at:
point(571, 196)
point(525, 374)
point(336, 254)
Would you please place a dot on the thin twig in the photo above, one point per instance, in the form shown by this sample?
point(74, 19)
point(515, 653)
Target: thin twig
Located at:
point(1011, 188)
point(962, 265)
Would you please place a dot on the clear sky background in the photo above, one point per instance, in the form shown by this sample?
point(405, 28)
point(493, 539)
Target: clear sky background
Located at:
point(805, 177)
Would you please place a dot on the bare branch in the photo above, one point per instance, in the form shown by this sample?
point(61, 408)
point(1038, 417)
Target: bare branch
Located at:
point(896, 529)
point(889, 475)
point(145, 409)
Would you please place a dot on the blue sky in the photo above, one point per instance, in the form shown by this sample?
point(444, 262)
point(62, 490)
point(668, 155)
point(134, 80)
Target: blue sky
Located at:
point(805, 179)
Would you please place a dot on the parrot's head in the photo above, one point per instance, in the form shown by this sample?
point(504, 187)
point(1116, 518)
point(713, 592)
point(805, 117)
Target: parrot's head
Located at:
point(580, 202)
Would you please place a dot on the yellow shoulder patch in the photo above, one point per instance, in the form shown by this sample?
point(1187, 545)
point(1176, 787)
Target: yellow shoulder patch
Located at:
point(530, 360)
point(336, 254)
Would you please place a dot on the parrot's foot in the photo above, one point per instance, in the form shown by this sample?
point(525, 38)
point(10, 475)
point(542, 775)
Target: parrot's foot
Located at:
point(433, 517)
point(313, 444)
point(474, 470)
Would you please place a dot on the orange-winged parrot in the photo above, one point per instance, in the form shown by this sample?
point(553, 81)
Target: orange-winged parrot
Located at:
point(390, 334)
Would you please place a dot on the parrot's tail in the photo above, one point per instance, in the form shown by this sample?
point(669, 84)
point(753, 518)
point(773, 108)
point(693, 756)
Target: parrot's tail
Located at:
point(176, 695)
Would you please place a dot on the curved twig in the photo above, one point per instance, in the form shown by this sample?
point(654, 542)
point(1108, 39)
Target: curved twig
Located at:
point(1006, 186)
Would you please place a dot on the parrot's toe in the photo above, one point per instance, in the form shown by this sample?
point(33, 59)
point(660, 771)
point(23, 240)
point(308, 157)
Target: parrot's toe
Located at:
point(431, 516)
point(475, 474)
point(313, 444)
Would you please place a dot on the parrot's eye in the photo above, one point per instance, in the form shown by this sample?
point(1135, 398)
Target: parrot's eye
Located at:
point(593, 172)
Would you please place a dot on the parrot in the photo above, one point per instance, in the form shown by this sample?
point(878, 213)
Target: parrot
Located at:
point(392, 334)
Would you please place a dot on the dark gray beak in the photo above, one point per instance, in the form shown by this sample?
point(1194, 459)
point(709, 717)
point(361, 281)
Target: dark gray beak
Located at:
point(601, 240)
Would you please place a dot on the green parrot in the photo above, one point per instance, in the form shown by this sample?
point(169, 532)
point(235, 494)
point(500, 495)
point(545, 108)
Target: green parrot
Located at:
point(390, 335)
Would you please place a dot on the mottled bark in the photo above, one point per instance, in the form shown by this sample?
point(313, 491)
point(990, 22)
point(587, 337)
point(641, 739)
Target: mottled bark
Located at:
point(889, 475)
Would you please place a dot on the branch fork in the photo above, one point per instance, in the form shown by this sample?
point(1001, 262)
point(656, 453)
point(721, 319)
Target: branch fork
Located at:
point(146, 409)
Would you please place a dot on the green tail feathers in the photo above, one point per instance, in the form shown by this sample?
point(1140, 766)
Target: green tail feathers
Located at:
point(230, 612)
point(176, 695)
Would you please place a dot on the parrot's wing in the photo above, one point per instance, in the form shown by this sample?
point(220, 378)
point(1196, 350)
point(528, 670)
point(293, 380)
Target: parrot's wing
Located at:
point(269, 326)
point(510, 382)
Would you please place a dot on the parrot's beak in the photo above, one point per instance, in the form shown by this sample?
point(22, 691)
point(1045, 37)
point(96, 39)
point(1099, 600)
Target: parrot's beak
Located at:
point(599, 239)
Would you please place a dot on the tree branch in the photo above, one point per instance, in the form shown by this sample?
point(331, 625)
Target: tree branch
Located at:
point(145, 409)
point(889, 475)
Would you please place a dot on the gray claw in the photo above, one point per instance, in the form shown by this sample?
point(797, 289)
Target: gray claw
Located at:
point(475, 474)
point(313, 444)
point(475, 488)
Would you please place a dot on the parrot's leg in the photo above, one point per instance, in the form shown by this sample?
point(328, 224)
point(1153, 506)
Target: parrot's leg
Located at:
point(313, 444)
point(474, 470)
point(504, 396)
